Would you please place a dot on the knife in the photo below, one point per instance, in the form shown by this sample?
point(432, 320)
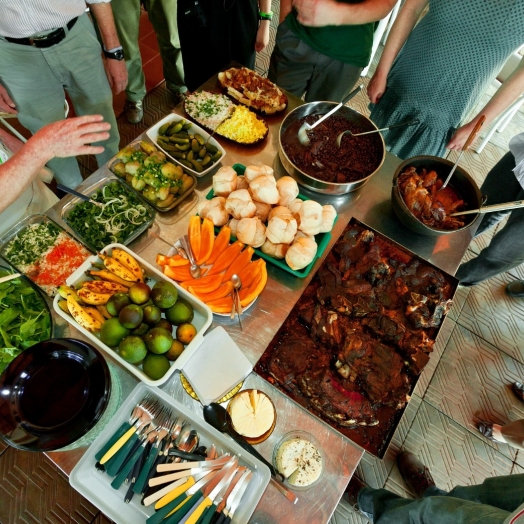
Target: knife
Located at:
point(191, 481)
point(181, 474)
point(177, 466)
point(236, 499)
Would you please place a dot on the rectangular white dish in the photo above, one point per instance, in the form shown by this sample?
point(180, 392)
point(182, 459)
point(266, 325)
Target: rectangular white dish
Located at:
point(202, 316)
point(95, 485)
point(152, 134)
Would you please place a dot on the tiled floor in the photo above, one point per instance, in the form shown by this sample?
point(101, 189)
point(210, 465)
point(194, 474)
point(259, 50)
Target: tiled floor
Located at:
point(479, 352)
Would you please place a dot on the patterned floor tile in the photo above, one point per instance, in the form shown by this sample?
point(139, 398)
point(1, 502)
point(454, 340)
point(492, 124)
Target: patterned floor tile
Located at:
point(517, 469)
point(374, 471)
point(496, 317)
point(458, 302)
point(396, 484)
point(472, 383)
point(345, 514)
point(102, 519)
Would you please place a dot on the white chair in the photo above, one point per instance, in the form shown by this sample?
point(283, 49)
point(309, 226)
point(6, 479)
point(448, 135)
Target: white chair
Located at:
point(505, 118)
point(382, 29)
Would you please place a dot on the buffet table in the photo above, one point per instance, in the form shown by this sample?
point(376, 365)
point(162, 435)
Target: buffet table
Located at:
point(370, 205)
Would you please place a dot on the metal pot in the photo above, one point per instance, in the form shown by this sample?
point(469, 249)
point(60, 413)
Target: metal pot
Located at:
point(315, 184)
point(461, 181)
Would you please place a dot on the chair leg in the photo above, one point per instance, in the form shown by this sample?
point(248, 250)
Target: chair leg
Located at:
point(376, 41)
point(509, 116)
point(392, 18)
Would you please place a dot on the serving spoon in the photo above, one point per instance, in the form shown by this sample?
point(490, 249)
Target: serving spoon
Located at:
point(237, 284)
point(78, 194)
point(194, 268)
point(348, 132)
point(305, 127)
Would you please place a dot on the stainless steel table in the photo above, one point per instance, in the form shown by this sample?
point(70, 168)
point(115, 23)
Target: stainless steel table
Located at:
point(371, 205)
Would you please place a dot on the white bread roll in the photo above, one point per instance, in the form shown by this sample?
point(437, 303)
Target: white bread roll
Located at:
point(251, 231)
point(263, 210)
point(301, 253)
point(281, 229)
point(253, 172)
point(310, 217)
point(240, 205)
point(215, 210)
point(242, 182)
point(301, 234)
point(287, 189)
point(274, 250)
point(278, 210)
point(329, 214)
point(233, 224)
point(225, 181)
point(295, 206)
point(264, 189)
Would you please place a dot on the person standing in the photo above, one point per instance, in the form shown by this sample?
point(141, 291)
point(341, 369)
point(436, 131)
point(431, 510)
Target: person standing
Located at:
point(49, 48)
point(323, 45)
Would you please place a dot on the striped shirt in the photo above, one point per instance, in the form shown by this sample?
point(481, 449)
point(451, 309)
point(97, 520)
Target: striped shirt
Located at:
point(24, 18)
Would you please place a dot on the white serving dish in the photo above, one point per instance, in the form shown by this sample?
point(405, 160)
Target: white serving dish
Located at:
point(152, 134)
point(202, 316)
point(95, 485)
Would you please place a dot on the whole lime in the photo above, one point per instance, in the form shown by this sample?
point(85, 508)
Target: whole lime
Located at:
point(163, 323)
point(113, 332)
point(152, 314)
point(186, 333)
point(142, 329)
point(158, 340)
point(131, 316)
point(155, 366)
point(175, 351)
point(132, 349)
point(116, 303)
point(164, 294)
point(139, 293)
point(180, 313)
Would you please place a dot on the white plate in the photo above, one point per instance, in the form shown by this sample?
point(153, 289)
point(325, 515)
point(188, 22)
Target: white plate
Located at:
point(152, 133)
point(95, 485)
point(202, 316)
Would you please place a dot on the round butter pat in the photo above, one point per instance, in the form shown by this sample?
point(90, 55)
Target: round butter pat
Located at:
point(252, 413)
point(299, 461)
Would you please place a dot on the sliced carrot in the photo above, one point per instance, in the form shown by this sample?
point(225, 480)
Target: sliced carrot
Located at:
point(220, 245)
point(222, 305)
point(254, 290)
point(207, 235)
point(240, 263)
point(195, 235)
point(226, 258)
point(250, 272)
point(180, 274)
point(210, 285)
point(223, 291)
point(178, 262)
point(199, 282)
point(162, 260)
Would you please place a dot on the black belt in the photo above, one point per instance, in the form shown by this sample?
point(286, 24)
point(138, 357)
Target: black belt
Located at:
point(48, 40)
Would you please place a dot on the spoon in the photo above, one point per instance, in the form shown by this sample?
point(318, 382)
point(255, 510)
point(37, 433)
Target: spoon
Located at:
point(194, 269)
point(406, 123)
point(179, 250)
point(216, 415)
point(305, 127)
point(78, 194)
point(485, 209)
point(237, 283)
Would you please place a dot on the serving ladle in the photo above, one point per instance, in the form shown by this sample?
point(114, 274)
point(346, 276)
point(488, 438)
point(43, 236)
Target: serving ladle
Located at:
point(305, 127)
point(194, 268)
point(348, 132)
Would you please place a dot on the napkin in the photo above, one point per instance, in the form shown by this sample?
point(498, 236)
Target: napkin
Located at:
point(216, 367)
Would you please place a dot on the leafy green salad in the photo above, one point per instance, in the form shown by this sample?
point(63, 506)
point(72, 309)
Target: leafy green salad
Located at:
point(24, 318)
point(121, 214)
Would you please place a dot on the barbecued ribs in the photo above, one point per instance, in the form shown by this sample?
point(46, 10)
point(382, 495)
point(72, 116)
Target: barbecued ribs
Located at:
point(361, 332)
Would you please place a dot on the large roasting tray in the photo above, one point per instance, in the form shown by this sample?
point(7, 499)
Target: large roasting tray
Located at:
point(380, 437)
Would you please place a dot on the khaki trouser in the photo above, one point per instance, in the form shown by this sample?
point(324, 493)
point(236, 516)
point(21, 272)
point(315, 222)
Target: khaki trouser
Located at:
point(37, 78)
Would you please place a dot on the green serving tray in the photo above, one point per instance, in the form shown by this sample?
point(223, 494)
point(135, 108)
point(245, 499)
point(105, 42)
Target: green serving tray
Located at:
point(322, 239)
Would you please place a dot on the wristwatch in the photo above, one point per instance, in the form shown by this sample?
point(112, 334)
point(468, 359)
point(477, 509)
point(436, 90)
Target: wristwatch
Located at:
point(115, 54)
point(265, 16)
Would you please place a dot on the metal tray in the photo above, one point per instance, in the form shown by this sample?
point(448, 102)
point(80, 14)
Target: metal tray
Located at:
point(91, 190)
point(202, 319)
point(136, 145)
point(95, 485)
point(20, 226)
point(382, 437)
point(152, 134)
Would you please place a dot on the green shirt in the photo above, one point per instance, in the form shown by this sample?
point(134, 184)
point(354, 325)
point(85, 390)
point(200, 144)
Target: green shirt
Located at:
point(350, 44)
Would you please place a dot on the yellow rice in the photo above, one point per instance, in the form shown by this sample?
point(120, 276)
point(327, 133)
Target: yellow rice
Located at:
point(243, 126)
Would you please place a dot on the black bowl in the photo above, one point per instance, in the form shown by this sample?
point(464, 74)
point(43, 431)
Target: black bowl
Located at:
point(52, 394)
point(461, 181)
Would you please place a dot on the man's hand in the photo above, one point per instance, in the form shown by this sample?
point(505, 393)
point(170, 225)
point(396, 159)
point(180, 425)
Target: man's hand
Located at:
point(376, 87)
point(6, 104)
point(317, 13)
point(71, 137)
point(262, 36)
point(116, 74)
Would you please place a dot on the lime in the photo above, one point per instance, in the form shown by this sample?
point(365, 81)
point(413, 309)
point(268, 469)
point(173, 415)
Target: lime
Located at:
point(158, 340)
point(139, 293)
point(186, 333)
point(152, 314)
point(176, 350)
point(113, 332)
point(131, 316)
point(180, 313)
point(155, 366)
point(164, 294)
point(132, 349)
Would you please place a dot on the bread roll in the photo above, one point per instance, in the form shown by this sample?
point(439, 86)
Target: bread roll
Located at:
point(274, 250)
point(233, 223)
point(310, 214)
point(281, 229)
point(242, 182)
point(278, 210)
point(329, 214)
point(253, 172)
point(264, 189)
point(240, 205)
point(225, 181)
point(263, 210)
point(301, 253)
point(301, 234)
point(251, 231)
point(215, 210)
point(295, 206)
point(287, 189)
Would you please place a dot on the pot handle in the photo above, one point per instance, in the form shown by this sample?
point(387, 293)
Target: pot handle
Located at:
point(483, 200)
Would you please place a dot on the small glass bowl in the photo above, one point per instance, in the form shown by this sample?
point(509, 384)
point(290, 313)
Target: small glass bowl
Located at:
point(304, 435)
point(252, 440)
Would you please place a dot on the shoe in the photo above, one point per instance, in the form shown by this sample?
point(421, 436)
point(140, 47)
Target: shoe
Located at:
point(351, 495)
point(415, 474)
point(176, 94)
point(515, 289)
point(134, 111)
point(518, 389)
point(486, 429)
